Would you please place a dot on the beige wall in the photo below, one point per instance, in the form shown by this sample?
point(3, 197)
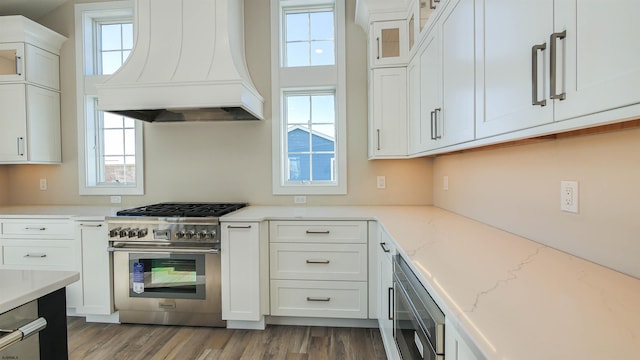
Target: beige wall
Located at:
point(518, 189)
point(4, 185)
point(224, 161)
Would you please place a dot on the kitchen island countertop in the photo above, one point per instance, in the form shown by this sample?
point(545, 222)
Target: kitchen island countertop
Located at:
point(514, 298)
point(18, 287)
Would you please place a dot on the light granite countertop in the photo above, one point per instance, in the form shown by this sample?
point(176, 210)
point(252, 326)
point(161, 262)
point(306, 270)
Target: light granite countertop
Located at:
point(77, 212)
point(514, 298)
point(18, 287)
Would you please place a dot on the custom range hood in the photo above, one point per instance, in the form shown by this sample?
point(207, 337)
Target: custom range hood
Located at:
point(187, 64)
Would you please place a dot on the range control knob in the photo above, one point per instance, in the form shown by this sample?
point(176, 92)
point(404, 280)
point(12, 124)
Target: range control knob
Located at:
point(133, 233)
point(143, 232)
point(203, 234)
point(180, 234)
point(190, 234)
point(115, 232)
point(124, 232)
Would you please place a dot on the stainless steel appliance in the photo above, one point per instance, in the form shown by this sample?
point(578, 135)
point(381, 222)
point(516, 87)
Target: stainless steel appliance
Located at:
point(166, 263)
point(16, 329)
point(418, 321)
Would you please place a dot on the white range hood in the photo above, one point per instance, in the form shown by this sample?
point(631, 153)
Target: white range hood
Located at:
point(187, 64)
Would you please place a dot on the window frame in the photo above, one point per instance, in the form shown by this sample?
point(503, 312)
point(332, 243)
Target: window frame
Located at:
point(86, 16)
point(307, 79)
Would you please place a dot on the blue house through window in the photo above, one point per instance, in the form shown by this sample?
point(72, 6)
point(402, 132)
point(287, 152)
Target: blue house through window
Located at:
point(311, 155)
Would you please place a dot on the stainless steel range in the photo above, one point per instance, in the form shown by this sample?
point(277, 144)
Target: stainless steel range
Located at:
point(166, 263)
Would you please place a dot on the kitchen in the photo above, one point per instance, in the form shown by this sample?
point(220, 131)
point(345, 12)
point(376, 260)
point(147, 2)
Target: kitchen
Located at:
point(513, 188)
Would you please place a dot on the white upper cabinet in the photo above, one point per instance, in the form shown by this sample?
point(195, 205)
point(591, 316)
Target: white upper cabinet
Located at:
point(388, 118)
point(389, 43)
point(600, 51)
point(512, 64)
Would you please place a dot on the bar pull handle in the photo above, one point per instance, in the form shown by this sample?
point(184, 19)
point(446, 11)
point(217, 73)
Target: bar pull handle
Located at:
point(437, 112)
point(378, 135)
point(554, 65)
point(91, 225)
point(36, 255)
point(432, 5)
point(18, 67)
point(21, 333)
point(20, 146)
point(309, 298)
point(433, 130)
point(384, 247)
point(534, 74)
point(238, 226)
point(378, 48)
point(390, 306)
point(318, 231)
point(28, 228)
point(311, 261)
point(167, 306)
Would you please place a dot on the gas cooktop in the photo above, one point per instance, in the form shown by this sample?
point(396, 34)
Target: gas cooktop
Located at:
point(183, 209)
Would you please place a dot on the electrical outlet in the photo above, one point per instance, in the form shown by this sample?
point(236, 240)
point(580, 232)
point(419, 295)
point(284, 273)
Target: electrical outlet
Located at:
point(382, 182)
point(116, 199)
point(569, 196)
point(299, 199)
point(43, 184)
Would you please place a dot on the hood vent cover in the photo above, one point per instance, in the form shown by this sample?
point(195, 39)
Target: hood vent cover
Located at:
point(187, 64)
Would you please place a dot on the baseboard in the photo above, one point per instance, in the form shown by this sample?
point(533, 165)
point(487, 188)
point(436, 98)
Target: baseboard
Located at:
point(330, 322)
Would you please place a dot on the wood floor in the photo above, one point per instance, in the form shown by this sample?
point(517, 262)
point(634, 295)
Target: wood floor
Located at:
point(112, 341)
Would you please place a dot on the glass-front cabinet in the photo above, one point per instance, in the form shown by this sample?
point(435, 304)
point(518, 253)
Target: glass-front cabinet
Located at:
point(11, 62)
point(389, 43)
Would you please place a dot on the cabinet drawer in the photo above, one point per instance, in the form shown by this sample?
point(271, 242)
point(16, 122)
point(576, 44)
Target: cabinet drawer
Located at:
point(37, 228)
point(319, 231)
point(333, 299)
point(60, 256)
point(318, 261)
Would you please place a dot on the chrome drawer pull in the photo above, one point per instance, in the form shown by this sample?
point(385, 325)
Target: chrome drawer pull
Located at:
point(318, 232)
point(91, 225)
point(36, 255)
point(318, 298)
point(310, 261)
point(384, 247)
point(238, 227)
point(36, 228)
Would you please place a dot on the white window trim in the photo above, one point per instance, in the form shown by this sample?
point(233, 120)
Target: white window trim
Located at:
point(287, 79)
point(85, 14)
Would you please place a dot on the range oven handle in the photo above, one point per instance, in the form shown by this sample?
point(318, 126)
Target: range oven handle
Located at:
point(166, 251)
point(11, 337)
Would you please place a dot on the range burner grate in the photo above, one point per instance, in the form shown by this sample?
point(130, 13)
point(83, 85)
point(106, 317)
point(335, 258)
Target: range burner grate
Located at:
point(183, 210)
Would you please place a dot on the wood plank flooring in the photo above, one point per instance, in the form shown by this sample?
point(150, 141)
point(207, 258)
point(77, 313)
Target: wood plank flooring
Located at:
point(113, 341)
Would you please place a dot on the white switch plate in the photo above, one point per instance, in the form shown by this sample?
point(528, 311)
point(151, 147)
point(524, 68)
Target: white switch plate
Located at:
point(43, 184)
point(116, 199)
point(569, 196)
point(445, 183)
point(299, 199)
point(382, 182)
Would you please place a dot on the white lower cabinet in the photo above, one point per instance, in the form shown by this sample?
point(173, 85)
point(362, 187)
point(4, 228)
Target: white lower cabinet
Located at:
point(386, 250)
point(97, 296)
point(43, 244)
point(455, 346)
point(242, 276)
point(319, 269)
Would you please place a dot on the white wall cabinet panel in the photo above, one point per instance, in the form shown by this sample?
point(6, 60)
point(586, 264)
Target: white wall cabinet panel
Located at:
point(13, 125)
point(430, 56)
point(600, 52)
point(240, 260)
point(96, 269)
point(512, 29)
point(42, 67)
point(388, 131)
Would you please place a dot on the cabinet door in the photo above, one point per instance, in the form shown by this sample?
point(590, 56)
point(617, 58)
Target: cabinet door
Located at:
point(389, 43)
point(456, 122)
point(600, 51)
point(416, 133)
point(430, 91)
point(385, 314)
point(96, 269)
point(13, 125)
point(12, 62)
point(43, 137)
point(506, 62)
point(456, 347)
point(240, 249)
point(42, 67)
point(388, 135)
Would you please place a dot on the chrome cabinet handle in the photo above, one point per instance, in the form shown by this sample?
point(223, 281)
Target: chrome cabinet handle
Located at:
point(534, 74)
point(390, 306)
point(91, 225)
point(554, 64)
point(378, 134)
point(433, 130)
point(318, 298)
point(36, 255)
point(311, 261)
point(378, 48)
point(164, 251)
point(21, 333)
point(36, 228)
point(238, 226)
point(18, 62)
point(384, 247)
point(318, 231)
point(437, 112)
point(20, 146)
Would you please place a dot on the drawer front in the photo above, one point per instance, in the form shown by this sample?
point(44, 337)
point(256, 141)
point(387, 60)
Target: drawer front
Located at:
point(295, 261)
point(319, 231)
point(332, 299)
point(59, 256)
point(37, 228)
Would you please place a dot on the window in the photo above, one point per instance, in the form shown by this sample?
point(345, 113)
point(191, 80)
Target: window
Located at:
point(110, 157)
point(309, 148)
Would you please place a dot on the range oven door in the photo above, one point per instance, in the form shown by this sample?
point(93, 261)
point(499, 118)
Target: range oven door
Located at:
point(162, 286)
